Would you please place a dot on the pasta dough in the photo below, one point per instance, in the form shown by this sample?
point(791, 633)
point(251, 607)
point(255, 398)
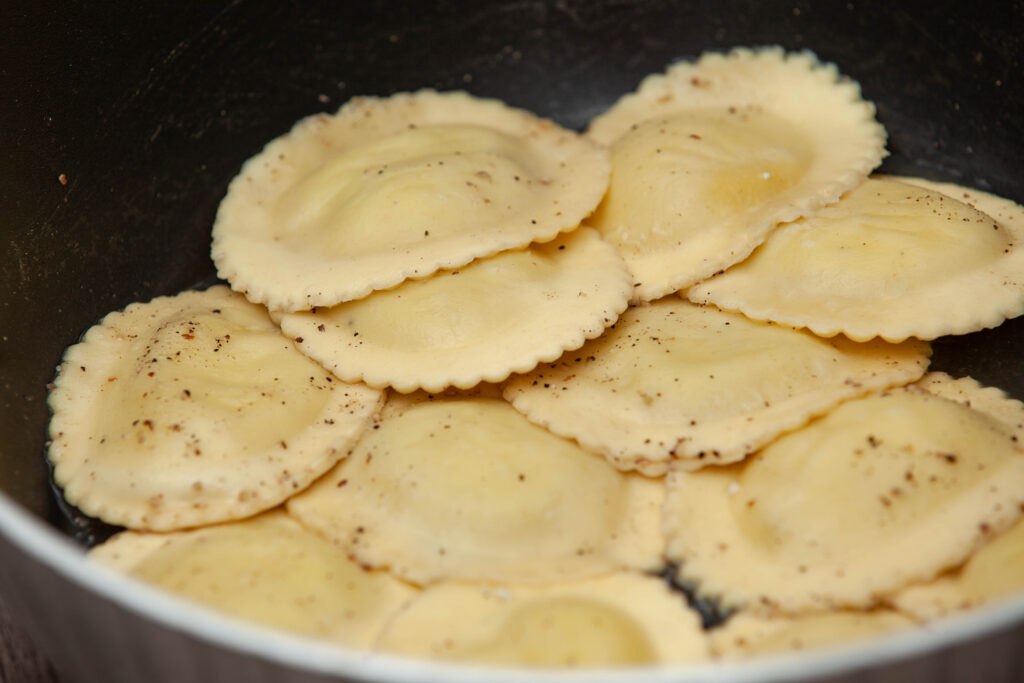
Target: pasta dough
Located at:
point(891, 259)
point(481, 322)
point(452, 487)
point(395, 188)
point(708, 158)
point(615, 620)
point(679, 384)
point(268, 569)
point(883, 491)
point(194, 409)
point(747, 635)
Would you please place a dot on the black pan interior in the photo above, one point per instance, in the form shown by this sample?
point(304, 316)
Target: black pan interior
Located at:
point(121, 124)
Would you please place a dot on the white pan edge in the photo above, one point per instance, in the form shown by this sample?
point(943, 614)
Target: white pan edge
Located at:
point(49, 547)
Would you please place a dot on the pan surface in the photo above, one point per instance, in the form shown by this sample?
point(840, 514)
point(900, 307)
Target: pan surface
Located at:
point(122, 123)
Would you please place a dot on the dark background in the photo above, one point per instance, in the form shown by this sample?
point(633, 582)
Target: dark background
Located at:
point(121, 124)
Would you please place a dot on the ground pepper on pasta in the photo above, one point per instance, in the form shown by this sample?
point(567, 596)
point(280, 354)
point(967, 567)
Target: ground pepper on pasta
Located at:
point(438, 206)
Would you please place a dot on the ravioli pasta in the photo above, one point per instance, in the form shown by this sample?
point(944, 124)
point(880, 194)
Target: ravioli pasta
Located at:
point(618, 619)
point(395, 188)
point(990, 574)
point(268, 569)
point(884, 491)
point(455, 407)
point(746, 635)
point(482, 322)
point(709, 157)
point(194, 409)
point(467, 488)
point(891, 259)
point(676, 384)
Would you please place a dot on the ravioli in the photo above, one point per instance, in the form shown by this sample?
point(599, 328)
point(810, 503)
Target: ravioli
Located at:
point(616, 620)
point(884, 491)
point(709, 157)
point(396, 188)
point(453, 487)
point(481, 322)
point(675, 383)
point(193, 409)
point(746, 635)
point(995, 572)
point(891, 259)
point(268, 569)
point(432, 240)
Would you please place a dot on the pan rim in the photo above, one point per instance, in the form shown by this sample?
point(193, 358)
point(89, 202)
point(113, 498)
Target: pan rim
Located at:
point(54, 550)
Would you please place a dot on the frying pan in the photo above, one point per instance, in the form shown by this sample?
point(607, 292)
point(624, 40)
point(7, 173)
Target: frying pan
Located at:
point(122, 123)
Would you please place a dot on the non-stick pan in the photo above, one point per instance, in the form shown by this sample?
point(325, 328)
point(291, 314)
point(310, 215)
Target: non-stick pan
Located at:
point(121, 124)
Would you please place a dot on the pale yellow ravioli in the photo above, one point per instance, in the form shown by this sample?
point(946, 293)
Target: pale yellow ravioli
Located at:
point(268, 569)
point(748, 635)
point(395, 188)
point(884, 491)
point(891, 259)
point(709, 157)
point(995, 572)
point(616, 620)
point(195, 409)
point(481, 322)
point(452, 487)
point(675, 382)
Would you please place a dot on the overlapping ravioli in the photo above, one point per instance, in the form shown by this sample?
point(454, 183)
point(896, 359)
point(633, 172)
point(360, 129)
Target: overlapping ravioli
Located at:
point(268, 569)
point(709, 157)
point(455, 487)
point(194, 409)
point(891, 259)
point(748, 635)
point(674, 382)
point(884, 491)
point(483, 321)
point(995, 572)
point(616, 620)
point(389, 189)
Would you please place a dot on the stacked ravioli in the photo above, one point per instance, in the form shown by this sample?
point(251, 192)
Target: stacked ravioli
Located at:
point(488, 390)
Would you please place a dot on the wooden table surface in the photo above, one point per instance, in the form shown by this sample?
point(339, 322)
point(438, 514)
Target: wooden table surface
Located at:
point(19, 660)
